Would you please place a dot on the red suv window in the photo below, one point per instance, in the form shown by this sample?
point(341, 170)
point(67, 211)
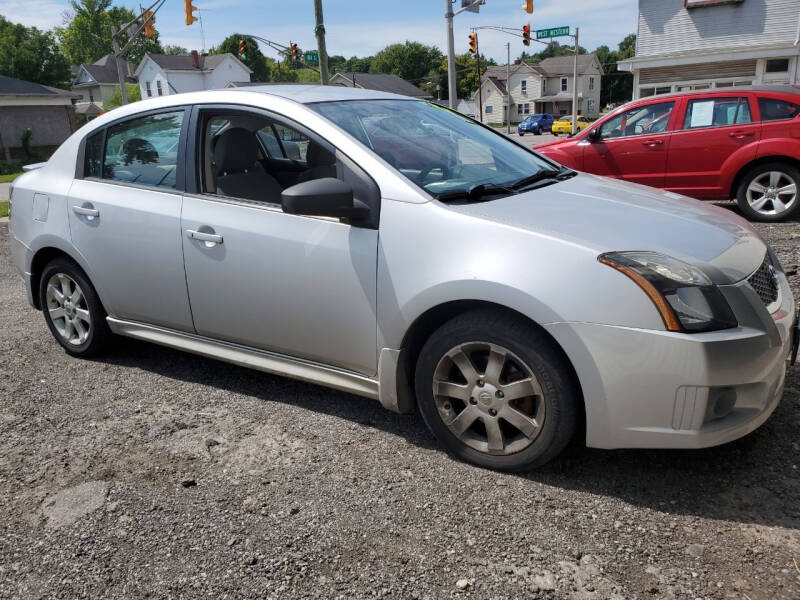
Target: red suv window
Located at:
point(716, 112)
point(772, 109)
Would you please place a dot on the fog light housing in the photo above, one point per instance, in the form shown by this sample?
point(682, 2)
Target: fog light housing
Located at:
point(721, 401)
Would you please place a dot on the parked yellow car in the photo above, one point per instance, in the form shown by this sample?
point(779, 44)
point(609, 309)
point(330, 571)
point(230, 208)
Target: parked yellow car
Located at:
point(564, 124)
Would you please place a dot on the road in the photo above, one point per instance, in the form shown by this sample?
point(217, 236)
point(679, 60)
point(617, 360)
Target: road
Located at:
point(152, 473)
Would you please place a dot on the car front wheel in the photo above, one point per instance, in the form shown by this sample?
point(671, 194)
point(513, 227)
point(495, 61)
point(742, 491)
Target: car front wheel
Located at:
point(72, 310)
point(496, 391)
point(769, 192)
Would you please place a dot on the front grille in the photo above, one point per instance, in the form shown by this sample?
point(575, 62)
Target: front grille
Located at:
point(764, 283)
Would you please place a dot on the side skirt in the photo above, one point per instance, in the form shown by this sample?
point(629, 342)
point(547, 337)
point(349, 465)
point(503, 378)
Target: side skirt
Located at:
point(261, 360)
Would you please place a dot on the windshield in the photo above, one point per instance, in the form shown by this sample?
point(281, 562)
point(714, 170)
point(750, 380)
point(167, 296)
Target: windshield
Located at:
point(534, 118)
point(438, 149)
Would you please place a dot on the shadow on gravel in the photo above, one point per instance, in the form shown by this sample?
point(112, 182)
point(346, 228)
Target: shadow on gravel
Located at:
point(753, 480)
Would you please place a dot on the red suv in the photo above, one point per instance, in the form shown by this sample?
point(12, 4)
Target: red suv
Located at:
point(741, 142)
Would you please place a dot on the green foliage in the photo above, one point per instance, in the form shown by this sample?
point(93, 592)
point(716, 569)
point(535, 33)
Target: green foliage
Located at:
point(4, 208)
point(33, 55)
point(280, 71)
point(170, 49)
point(354, 64)
point(553, 49)
point(411, 60)
point(616, 86)
point(26, 143)
point(134, 95)
point(9, 171)
point(87, 36)
point(307, 76)
point(255, 60)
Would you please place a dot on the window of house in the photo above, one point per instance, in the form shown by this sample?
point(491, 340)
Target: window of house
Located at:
point(717, 112)
point(544, 87)
point(772, 109)
point(526, 108)
point(144, 150)
point(91, 97)
point(524, 86)
point(590, 106)
point(563, 84)
point(643, 120)
point(777, 65)
point(489, 109)
point(519, 109)
point(149, 89)
point(158, 87)
point(93, 151)
point(591, 83)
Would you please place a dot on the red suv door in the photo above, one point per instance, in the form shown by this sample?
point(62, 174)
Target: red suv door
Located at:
point(632, 145)
point(714, 138)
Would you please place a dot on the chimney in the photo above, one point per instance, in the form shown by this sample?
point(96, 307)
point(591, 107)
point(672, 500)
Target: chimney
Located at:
point(195, 59)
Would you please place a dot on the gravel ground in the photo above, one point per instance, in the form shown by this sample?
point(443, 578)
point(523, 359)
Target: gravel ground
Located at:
point(153, 473)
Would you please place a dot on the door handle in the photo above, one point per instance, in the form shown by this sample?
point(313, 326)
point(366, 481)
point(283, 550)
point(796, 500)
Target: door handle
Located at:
point(86, 211)
point(210, 238)
point(740, 135)
point(653, 143)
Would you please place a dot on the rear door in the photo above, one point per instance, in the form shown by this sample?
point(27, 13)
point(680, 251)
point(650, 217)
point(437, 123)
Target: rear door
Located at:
point(124, 216)
point(712, 130)
point(632, 145)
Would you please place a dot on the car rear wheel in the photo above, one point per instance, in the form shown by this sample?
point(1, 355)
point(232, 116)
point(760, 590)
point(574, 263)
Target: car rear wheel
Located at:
point(496, 391)
point(521, 133)
point(72, 310)
point(769, 192)
point(539, 131)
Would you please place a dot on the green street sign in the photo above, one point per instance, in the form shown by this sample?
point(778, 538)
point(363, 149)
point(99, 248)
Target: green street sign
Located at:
point(311, 57)
point(552, 32)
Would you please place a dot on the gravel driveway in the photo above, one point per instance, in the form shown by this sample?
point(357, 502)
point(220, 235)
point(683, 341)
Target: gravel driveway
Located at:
point(153, 473)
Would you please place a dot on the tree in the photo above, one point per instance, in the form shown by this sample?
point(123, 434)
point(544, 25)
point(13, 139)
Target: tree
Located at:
point(255, 58)
point(86, 36)
point(134, 95)
point(616, 85)
point(33, 55)
point(355, 64)
point(279, 71)
point(411, 60)
point(170, 49)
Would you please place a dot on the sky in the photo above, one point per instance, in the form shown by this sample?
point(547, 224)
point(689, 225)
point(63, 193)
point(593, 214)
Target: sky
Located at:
point(362, 27)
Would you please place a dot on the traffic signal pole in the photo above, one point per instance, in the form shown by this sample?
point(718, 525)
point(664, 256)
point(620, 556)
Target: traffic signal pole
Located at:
point(133, 28)
point(319, 30)
point(575, 87)
point(451, 48)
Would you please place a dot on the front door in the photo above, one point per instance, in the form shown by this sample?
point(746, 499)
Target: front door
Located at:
point(713, 131)
point(295, 285)
point(632, 145)
point(124, 217)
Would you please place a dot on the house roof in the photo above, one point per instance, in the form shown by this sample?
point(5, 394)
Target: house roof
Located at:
point(10, 86)
point(564, 65)
point(183, 62)
point(104, 70)
point(381, 82)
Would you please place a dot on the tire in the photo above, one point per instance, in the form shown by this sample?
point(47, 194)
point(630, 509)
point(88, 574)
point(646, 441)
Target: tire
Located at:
point(539, 131)
point(769, 203)
point(535, 382)
point(521, 133)
point(72, 310)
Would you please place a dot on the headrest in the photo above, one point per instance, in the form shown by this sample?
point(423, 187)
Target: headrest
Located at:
point(319, 156)
point(137, 149)
point(236, 150)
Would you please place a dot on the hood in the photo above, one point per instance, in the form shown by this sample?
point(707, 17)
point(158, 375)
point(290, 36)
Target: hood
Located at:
point(606, 215)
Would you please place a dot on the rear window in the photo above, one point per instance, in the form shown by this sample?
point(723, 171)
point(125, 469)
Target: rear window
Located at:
point(775, 110)
point(717, 112)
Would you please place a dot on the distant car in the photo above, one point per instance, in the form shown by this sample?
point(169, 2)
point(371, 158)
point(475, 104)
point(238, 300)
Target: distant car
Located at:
point(536, 124)
point(395, 249)
point(564, 124)
point(733, 142)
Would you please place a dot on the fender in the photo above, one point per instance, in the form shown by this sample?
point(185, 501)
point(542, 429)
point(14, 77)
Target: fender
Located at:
point(734, 164)
point(774, 147)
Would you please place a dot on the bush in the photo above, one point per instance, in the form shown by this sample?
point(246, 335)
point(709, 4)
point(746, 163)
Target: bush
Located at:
point(7, 168)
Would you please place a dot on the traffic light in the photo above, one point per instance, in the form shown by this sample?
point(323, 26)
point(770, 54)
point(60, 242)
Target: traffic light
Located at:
point(528, 7)
point(242, 49)
point(189, 9)
point(149, 23)
point(294, 53)
point(526, 35)
point(473, 43)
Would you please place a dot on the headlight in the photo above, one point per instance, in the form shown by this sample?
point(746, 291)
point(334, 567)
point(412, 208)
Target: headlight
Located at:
point(685, 297)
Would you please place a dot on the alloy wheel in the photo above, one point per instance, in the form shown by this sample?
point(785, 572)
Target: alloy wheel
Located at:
point(772, 193)
point(68, 310)
point(489, 398)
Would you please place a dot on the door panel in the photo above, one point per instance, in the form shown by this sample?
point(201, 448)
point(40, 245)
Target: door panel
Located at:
point(131, 238)
point(640, 159)
point(295, 285)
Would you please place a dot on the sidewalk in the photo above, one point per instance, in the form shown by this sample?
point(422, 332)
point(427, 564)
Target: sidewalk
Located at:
point(4, 189)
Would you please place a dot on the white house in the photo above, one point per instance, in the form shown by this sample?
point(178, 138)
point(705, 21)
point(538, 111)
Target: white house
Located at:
point(701, 44)
point(164, 74)
point(541, 87)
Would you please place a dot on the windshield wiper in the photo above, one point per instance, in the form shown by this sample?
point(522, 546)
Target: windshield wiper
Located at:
point(475, 192)
point(543, 175)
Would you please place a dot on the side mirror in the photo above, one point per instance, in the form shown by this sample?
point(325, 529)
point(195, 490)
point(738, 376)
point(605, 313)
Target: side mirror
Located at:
point(594, 135)
point(326, 197)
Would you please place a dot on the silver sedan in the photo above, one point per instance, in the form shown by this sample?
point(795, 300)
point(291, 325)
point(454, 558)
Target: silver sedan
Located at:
point(397, 250)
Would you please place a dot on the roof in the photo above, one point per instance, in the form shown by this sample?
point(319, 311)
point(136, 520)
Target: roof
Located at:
point(10, 86)
point(559, 97)
point(104, 70)
point(564, 65)
point(88, 108)
point(500, 85)
point(310, 93)
point(183, 62)
point(381, 82)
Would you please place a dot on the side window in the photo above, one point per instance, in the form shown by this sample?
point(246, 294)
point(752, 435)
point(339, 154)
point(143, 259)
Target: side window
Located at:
point(644, 120)
point(144, 150)
point(94, 155)
point(716, 112)
point(295, 144)
point(269, 141)
point(772, 109)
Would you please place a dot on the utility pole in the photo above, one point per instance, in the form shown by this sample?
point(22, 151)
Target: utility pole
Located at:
point(575, 87)
point(123, 89)
point(508, 88)
point(451, 56)
point(319, 30)
point(480, 83)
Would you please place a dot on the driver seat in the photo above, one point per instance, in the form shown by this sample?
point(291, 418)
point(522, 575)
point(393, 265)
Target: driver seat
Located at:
point(238, 171)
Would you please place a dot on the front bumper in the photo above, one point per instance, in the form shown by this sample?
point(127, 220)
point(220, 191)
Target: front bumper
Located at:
point(660, 389)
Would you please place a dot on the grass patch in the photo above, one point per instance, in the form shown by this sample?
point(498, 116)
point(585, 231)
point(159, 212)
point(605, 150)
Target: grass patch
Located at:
point(9, 177)
point(4, 208)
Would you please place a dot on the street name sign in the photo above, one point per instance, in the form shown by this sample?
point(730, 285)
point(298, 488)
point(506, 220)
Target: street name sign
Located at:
point(552, 32)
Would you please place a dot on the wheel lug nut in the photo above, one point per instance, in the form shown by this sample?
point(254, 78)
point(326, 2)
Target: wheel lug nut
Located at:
point(447, 407)
point(473, 401)
point(480, 382)
point(499, 394)
point(493, 412)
